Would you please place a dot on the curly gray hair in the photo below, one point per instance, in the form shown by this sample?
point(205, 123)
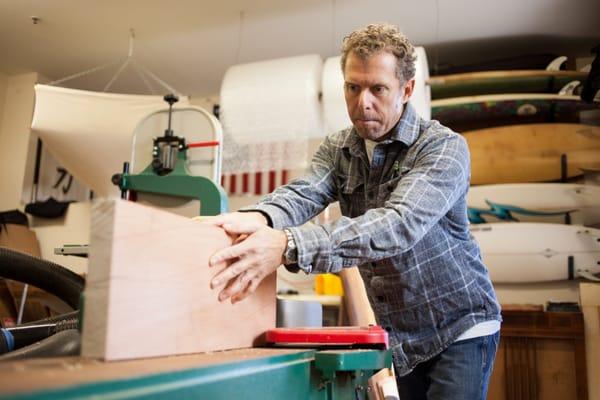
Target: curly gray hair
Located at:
point(375, 38)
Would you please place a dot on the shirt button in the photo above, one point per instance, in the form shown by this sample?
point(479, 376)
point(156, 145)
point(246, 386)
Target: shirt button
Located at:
point(388, 328)
point(380, 298)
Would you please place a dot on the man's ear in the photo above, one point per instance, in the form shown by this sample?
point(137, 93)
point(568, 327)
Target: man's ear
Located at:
point(408, 90)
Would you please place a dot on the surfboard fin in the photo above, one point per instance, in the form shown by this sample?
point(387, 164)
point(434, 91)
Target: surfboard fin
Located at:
point(556, 63)
point(584, 273)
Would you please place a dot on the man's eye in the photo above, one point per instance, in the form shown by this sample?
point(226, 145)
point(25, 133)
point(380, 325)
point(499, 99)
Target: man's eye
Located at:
point(379, 89)
point(351, 88)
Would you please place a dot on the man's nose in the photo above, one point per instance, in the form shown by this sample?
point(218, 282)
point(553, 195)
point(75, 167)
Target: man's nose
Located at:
point(365, 100)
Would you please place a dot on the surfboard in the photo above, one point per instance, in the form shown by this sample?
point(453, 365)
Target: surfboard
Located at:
point(526, 62)
point(478, 112)
point(531, 152)
point(535, 202)
point(531, 252)
point(497, 82)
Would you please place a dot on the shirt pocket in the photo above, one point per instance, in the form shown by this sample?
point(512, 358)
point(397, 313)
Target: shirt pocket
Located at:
point(351, 196)
point(385, 190)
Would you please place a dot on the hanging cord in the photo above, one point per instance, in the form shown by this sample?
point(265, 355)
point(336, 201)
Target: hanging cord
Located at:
point(86, 72)
point(116, 75)
point(143, 78)
point(141, 71)
point(157, 79)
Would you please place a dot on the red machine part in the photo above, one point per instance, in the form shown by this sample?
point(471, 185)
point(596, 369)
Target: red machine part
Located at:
point(356, 336)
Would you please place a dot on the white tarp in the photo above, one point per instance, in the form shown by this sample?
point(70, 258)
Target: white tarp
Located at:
point(90, 133)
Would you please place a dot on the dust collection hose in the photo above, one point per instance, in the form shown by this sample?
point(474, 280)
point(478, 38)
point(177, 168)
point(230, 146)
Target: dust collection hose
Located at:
point(23, 335)
point(65, 343)
point(53, 279)
point(43, 274)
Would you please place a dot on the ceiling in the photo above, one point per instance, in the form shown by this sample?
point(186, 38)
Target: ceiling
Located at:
point(191, 43)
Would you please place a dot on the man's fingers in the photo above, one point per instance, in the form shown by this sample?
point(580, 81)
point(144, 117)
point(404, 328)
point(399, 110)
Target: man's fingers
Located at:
point(239, 228)
point(250, 288)
point(250, 274)
point(227, 253)
point(231, 272)
point(233, 287)
point(217, 220)
point(239, 239)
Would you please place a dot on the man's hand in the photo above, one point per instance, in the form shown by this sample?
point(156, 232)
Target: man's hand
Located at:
point(255, 256)
point(244, 221)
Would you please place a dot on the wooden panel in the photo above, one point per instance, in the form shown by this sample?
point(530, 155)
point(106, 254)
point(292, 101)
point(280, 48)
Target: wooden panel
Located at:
point(556, 369)
point(521, 369)
point(590, 305)
point(497, 385)
point(541, 356)
point(148, 294)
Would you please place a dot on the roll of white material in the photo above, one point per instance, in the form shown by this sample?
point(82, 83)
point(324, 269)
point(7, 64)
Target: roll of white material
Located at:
point(90, 133)
point(334, 104)
point(421, 97)
point(272, 101)
point(269, 111)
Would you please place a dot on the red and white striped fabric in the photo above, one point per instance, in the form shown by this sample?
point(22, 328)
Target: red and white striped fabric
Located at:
point(254, 183)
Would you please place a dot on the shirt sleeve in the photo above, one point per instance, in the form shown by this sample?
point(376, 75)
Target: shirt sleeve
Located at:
point(304, 198)
point(421, 198)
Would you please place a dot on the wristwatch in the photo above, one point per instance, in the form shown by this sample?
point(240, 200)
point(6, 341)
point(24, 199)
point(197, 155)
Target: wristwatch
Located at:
point(291, 251)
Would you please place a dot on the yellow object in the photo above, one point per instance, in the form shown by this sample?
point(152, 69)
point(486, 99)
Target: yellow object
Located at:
point(329, 284)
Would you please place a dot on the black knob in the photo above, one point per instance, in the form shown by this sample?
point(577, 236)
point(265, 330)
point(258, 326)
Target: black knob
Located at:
point(157, 164)
point(171, 99)
point(116, 179)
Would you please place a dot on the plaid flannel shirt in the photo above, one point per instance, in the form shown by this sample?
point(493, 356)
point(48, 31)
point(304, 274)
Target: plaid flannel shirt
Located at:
point(404, 224)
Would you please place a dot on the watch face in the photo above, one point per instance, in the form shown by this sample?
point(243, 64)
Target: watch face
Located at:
point(291, 254)
point(291, 257)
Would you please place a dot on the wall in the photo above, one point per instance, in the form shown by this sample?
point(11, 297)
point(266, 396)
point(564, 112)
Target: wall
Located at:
point(539, 293)
point(3, 84)
point(15, 136)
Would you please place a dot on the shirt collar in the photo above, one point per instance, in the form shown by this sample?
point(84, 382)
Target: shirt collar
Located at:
point(405, 131)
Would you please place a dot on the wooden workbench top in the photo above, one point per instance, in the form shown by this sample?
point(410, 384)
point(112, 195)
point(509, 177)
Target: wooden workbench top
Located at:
point(52, 373)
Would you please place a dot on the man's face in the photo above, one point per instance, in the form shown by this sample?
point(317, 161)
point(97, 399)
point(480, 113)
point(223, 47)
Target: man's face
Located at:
point(375, 97)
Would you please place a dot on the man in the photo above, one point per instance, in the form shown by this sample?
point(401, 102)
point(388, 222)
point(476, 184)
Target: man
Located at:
point(401, 182)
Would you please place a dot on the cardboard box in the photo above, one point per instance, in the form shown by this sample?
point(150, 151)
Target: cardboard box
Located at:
point(21, 238)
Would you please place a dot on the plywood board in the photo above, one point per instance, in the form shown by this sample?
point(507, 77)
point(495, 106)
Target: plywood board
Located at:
point(531, 152)
point(148, 293)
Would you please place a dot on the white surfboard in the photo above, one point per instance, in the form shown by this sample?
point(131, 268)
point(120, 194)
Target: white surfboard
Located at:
point(534, 252)
point(535, 202)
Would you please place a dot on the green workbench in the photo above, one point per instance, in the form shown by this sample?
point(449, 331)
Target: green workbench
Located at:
point(258, 373)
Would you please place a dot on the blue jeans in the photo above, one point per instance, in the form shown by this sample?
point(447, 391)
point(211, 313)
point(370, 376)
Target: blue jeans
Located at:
point(462, 371)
